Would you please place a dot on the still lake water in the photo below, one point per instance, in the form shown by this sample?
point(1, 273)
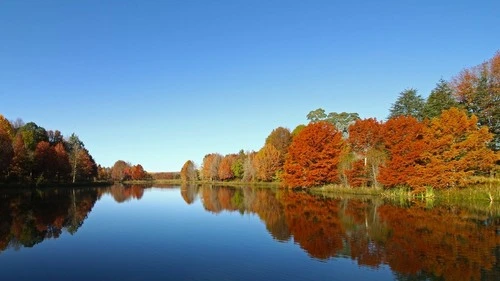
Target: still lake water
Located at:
point(217, 233)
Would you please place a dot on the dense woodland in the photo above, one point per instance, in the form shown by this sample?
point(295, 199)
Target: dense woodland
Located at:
point(29, 154)
point(441, 141)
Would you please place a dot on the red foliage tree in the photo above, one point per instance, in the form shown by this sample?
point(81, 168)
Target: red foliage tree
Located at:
point(45, 160)
point(365, 137)
point(403, 140)
point(313, 156)
point(62, 162)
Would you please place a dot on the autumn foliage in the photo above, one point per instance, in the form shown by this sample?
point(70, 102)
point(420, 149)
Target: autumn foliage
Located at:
point(454, 149)
point(313, 156)
point(440, 141)
point(403, 140)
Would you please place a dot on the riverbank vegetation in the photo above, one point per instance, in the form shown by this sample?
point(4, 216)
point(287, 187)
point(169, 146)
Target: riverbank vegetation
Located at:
point(444, 142)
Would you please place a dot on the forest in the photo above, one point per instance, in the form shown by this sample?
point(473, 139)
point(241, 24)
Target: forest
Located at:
point(31, 155)
point(442, 141)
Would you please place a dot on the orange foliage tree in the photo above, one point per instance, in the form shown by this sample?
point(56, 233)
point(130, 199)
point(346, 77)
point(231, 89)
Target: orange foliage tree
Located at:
point(137, 172)
point(210, 166)
point(455, 148)
point(19, 167)
point(313, 156)
point(87, 169)
point(225, 172)
point(403, 140)
point(365, 142)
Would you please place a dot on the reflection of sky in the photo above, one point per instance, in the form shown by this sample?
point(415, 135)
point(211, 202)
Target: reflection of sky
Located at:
point(162, 237)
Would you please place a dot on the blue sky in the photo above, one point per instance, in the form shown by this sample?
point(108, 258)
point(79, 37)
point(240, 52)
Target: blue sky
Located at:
point(160, 82)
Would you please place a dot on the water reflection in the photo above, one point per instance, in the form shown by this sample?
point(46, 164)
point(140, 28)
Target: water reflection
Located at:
point(416, 242)
point(445, 242)
point(29, 217)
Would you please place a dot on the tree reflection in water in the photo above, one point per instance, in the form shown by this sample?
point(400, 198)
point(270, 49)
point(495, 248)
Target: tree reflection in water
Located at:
point(416, 242)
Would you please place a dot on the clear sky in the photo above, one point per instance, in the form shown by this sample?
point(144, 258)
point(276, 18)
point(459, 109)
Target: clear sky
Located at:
point(160, 82)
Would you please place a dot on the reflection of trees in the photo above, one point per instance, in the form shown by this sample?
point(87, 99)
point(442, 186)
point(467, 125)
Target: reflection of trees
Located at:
point(447, 242)
point(189, 192)
point(416, 242)
point(314, 223)
point(122, 193)
point(28, 218)
point(262, 202)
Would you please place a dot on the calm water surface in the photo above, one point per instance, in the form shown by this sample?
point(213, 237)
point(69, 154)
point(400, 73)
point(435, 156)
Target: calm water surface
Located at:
point(217, 233)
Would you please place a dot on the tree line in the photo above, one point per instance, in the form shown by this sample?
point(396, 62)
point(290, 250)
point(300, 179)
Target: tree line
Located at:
point(441, 141)
point(29, 154)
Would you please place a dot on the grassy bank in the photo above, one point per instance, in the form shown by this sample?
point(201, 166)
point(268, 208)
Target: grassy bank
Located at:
point(489, 192)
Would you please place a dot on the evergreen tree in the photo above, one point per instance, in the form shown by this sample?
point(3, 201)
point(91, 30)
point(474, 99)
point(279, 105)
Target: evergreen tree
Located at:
point(409, 103)
point(441, 98)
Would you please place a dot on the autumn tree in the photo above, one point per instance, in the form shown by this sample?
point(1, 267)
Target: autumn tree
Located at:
point(441, 98)
point(268, 163)
point(188, 172)
point(478, 90)
point(403, 141)
point(63, 169)
point(224, 172)
point(280, 138)
point(137, 172)
point(210, 166)
point(103, 173)
point(86, 168)
point(45, 161)
point(6, 127)
point(366, 142)
point(313, 156)
point(20, 165)
point(455, 149)
point(409, 103)
point(118, 170)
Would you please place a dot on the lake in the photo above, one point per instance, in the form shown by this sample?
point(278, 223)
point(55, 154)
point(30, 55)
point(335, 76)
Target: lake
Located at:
point(207, 232)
